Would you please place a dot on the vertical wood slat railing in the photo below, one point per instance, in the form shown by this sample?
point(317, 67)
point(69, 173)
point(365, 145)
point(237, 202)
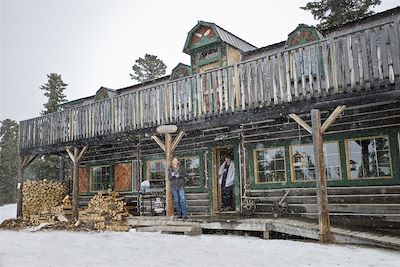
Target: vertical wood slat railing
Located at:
point(363, 60)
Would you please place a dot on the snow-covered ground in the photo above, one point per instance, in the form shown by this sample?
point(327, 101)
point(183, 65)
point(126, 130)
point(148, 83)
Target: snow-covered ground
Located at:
point(60, 248)
point(8, 211)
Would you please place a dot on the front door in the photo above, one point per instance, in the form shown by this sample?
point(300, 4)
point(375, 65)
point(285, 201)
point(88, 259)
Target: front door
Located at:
point(219, 154)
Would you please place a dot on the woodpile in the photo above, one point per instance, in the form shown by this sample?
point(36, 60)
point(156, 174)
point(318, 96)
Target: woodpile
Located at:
point(40, 197)
point(47, 202)
point(107, 211)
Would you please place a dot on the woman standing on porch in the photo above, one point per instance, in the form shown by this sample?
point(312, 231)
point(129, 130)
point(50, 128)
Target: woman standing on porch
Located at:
point(177, 178)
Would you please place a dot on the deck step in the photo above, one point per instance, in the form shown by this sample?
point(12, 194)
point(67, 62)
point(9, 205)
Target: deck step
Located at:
point(172, 229)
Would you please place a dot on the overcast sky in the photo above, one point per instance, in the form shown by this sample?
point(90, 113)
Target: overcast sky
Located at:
point(95, 43)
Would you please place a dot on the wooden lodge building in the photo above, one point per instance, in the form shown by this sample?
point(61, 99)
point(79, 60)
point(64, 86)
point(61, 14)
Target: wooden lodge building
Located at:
point(235, 98)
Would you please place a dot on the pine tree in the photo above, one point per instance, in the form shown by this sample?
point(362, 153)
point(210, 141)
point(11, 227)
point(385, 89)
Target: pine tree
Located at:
point(54, 91)
point(48, 167)
point(9, 161)
point(333, 13)
point(148, 68)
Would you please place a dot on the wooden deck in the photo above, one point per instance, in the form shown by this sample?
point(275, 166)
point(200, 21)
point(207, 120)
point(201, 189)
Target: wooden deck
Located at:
point(365, 59)
point(293, 227)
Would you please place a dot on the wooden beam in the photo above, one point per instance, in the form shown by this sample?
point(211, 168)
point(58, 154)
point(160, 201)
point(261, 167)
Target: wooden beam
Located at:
point(325, 235)
point(70, 154)
point(336, 113)
point(301, 122)
point(159, 142)
point(81, 153)
point(178, 138)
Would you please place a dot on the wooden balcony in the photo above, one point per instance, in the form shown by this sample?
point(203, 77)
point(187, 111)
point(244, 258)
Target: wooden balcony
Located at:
point(366, 60)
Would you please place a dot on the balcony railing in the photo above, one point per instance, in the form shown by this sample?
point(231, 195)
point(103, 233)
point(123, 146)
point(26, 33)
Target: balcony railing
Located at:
point(362, 60)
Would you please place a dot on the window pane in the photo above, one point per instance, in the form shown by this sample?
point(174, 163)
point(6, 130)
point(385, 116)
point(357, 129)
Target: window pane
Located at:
point(191, 166)
point(303, 161)
point(270, 165)
point(101, 178)
point(156, 173)
point(369, 157)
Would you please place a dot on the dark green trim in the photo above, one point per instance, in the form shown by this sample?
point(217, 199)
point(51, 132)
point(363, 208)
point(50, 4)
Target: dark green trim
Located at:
point(341, 138)
point(235, 146)
point(90, 178)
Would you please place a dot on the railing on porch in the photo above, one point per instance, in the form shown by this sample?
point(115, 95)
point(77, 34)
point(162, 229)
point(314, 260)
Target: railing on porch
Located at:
point(362, 60)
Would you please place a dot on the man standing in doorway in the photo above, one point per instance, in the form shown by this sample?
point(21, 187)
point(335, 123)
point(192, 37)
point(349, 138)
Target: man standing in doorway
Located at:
point(226, 181)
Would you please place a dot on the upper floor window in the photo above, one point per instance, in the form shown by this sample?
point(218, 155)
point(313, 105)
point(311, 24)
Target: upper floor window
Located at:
point(368, 157)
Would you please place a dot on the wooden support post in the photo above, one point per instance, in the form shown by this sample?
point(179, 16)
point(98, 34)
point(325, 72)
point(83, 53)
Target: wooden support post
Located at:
point(317, 130)
point(168, 158)
point(62, 167)
point(266, 234)
point(75, 156)
point(325, 235)
point(25, 161)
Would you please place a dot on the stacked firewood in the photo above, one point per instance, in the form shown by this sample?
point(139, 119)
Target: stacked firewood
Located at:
point(39, 197)
point(106, 211)
point(59, 213)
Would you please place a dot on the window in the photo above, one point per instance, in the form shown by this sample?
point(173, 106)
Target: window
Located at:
point(101, 178)
point(156, 173)
point(368, 157)
point(269, 165)
point(192, 167)
point(303, 162)
point(207, 56)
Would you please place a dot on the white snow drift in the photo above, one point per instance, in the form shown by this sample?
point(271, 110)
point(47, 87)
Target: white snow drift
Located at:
point(60, 248)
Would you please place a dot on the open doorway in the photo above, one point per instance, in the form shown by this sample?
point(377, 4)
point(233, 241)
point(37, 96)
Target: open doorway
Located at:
point(223, 198)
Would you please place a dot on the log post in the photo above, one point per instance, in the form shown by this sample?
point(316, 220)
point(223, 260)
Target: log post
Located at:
point(76, 156)
point(317, 130)
point(25, 161)
point(62, 171)
point(325, 235)
point(168, 193)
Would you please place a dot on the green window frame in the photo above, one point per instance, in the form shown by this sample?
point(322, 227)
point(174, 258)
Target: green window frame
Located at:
point(302, 162)
point(207, 56)
point(156, 173)
point(100, 178)
point(269, 165)
point(368, 157)
point(191, 165)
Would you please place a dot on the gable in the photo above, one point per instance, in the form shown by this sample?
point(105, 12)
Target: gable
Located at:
point(199, 36)
point(180, 71)
point(303, 34)
point(104, 93)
